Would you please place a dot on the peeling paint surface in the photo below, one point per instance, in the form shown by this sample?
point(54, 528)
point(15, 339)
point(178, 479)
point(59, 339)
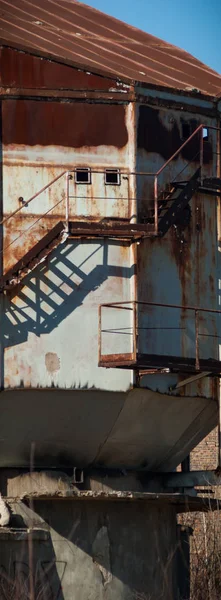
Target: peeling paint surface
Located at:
point(181, 268)
point(50, 326)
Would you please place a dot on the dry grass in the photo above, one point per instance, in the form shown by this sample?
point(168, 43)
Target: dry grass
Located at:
point(205, 554)
point(23, 588)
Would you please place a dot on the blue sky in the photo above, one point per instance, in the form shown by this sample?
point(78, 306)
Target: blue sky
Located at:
point(194, 25)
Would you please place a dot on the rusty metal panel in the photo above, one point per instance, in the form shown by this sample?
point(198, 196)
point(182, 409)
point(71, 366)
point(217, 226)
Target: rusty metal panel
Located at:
point(43, 139)
point(80, 35)
point(25, 71)
point(72, 125)
point(180, 268)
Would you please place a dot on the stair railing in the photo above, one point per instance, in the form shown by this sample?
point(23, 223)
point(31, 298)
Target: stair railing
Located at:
point(67, 174)
point(198, 130)
point(27, 202)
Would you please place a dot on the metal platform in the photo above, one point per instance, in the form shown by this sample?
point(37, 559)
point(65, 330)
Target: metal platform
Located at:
point(148, 362)
point(111, 229)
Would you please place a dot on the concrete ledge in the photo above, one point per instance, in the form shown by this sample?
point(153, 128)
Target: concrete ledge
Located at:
point(21, 535)
point(184, 503)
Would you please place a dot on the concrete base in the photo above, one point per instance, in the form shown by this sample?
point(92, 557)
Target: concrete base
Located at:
point(94, 550)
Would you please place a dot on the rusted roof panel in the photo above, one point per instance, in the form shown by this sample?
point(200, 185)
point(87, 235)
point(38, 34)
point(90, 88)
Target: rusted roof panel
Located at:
point(80, 35)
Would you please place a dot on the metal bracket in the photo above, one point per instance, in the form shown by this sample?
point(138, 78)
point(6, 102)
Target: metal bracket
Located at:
point(189, 380)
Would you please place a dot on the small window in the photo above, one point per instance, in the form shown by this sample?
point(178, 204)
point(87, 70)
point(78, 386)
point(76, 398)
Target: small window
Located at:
point(112, 177)
point(186, 132)
point(83, 175)
point(205, 134)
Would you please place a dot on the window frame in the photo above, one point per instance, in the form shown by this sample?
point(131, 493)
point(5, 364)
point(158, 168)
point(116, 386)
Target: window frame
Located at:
point(85, 170)
point(112, 170)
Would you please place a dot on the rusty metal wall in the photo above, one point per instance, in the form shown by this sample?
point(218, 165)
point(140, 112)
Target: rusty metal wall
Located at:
point(180, 268)
point(41, 139)
point(27, 72)
point(50, 327)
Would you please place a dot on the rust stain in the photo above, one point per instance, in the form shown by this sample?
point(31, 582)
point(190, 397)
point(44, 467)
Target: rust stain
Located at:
point(52, 362)
point(70, 124)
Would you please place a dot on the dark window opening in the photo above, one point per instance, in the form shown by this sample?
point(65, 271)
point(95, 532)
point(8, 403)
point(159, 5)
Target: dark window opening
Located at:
point(112, 177)
point(186, 131)
point(83, 175)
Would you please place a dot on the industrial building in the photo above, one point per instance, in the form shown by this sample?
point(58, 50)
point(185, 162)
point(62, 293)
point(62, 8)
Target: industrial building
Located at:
point(110, 300)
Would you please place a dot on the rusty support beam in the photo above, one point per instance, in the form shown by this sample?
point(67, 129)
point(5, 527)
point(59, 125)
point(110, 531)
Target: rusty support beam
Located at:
point(58, 94)
point(190, 380)
point(110, 229)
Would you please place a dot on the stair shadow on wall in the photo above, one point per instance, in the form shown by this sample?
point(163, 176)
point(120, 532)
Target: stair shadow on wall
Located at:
point(56, 288)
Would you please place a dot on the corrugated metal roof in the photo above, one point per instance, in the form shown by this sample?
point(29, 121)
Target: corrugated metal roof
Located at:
point(80, 35)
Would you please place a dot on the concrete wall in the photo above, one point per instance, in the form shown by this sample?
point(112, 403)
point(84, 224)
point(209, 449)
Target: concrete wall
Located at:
point(100, 550)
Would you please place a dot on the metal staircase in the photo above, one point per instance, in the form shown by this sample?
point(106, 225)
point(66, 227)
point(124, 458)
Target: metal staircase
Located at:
point(209, 185)
point(34, 257)
point(168, 205)
point(174, 202)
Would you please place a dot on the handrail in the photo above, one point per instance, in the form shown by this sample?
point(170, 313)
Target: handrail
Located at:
point(161, 304)
point(134, 173)
point(33, 198)
point(197, 130)
point(179, 149)
point(135, 303)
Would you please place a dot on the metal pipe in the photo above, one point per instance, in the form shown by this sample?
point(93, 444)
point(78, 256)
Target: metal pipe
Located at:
point(201, 156)
point(155, 205)
point(67, 202)
point(218, 174)
point(99, 333)
point(197, 339)
point(134, 331)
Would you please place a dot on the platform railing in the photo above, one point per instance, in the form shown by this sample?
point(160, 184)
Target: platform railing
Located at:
point(68, 175)
point(134, 329)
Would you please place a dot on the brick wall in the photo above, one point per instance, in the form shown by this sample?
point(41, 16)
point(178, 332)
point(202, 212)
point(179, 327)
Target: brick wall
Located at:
point(205, 455)
point(205, 542)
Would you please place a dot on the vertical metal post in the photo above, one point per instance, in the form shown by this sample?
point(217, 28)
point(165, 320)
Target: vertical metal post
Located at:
point(197, 339)
point(99, 334)
point(155, 205)
point(219, 426)
point(67, 201)
point(218, 173)
point(134, 331)
point(201, 155)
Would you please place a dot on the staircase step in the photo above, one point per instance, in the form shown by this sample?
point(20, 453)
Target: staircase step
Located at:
point(33, 257)
point(181, 200)
point(206, 188)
